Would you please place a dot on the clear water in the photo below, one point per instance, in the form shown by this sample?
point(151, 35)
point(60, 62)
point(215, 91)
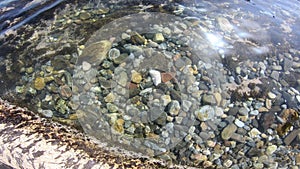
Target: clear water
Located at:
point(228, 34)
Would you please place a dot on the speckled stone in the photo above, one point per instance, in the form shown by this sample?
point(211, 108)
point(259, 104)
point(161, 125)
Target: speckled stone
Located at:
point(228, 131)
point(205, 113)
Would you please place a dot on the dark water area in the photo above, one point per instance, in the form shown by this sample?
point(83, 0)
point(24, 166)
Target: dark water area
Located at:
point(232, 68)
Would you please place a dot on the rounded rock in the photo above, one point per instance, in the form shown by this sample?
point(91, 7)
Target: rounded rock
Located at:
point(39, 83)
point(205, 113)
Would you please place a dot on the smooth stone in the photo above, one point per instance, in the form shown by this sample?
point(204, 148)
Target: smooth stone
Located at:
point(254, 132)
point(209, 99)
point(205, 113)
point(109, 98)
point(239, 123)
point(158, 37)
point(136, 77)
point(65, 91)
point(228, 131)
point(47, 113)
point(39, 83)
point(174, 108)
point(137, 39)
point(287, 64)
point(275, 75)
point(86, 66)
point(112, 108)
point(244, 111)
point(254, 112)
point(95, 53)
point(113, 53)
point(155, 75)
point(122, 79)
point(271, 149)
point(277, 67)
point(84, 15)
point(271, 95)
point(186, 105)
point(218, 98)
point(166, 99)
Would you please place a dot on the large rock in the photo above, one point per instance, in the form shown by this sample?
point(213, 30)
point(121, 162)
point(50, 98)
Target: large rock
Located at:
point(95, 53)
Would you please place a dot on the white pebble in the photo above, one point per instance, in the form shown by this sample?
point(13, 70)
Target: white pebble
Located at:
point(239, 123)
point(155, 75)
point(86, 66)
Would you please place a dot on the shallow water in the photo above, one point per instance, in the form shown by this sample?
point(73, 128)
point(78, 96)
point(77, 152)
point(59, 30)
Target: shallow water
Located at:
point(232, 48)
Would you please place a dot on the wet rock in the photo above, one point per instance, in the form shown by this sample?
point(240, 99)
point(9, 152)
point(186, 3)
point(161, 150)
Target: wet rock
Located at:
point(174, 108)
point(287, 64)
point(86, 66)
point(158, 37)
point(113, 53)
point(166, 99)
point(137, 39)
point(65, 91)
point(84, 15)
point(266, 121)
point(291, 137)
point(118, 126)
point(224, 24)
point(228, 131)
point(209, 99)
point(95, 53)
point(205, 113)
point(165, 77)
point(244, 111)
point(239, 123)
point(109, 98)
point(271, 149)
point(47, 113)
point(275, 75)
point(155, 75)
point(271, 95)
point(39, 83)
point(136, 77)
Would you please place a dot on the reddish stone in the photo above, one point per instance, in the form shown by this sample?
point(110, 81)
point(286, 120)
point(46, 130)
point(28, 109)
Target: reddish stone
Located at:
point(165, 77)
point(131, 85)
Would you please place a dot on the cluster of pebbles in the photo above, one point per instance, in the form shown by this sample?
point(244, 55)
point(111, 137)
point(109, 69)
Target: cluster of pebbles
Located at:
point(197, 91)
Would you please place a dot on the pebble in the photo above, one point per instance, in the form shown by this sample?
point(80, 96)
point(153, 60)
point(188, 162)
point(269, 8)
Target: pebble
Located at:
point(86, 66)
point(166, 99)
point(254, 112)
point(109, 98)
point(65, 91)
point(228, 131)
point(114, 53)
point(39, 83)
point(155, 75)
point(158, 37)
point(47, 113)
point(84, 15)
point(136, 77)
point(95, 53)
point(275, 75)
point(271, 149)
point(271, 95)
point(244, 111)
point(254, 132)
point(239, 123)
point(209, 99)
point(186, 105)
point(174, 108)
point(205, 113)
